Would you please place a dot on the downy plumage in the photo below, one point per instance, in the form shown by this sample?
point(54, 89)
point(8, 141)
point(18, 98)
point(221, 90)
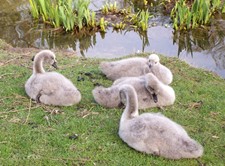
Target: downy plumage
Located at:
point(160, 71)
point(153, 133)
point(137, 66)
point(150, 91)
point(50, 88)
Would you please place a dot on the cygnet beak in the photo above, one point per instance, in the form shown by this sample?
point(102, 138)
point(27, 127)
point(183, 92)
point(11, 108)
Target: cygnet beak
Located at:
point(55, 65)
point(32, 58)
point(155, 98)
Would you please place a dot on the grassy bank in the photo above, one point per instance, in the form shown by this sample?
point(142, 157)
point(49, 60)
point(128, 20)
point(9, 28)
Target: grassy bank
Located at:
point(34, 134)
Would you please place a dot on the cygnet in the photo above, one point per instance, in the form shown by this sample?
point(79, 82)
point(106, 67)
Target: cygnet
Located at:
point(150, 91)
point(153, 133)
point(160, 71)
point(50, 88)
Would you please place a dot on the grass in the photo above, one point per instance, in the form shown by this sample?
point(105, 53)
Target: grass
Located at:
point(34, 134)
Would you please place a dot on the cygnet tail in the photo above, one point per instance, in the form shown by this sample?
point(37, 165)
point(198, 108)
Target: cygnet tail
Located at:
point(191, 149)
point(107, 97)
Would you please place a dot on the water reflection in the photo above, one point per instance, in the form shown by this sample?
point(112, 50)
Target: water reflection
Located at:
point(209, 41)
point(200, 39)
point(203, 47)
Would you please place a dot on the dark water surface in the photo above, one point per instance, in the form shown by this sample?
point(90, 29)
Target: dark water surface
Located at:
point(202, 48)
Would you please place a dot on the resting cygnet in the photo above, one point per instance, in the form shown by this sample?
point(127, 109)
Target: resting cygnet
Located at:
point(153, 133)
point(130, 67)
point(50, 88)
point(150, 91)
point(160, 71)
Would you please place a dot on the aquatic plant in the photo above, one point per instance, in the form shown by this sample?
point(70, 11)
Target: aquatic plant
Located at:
point(181, 15)
point(109, 7)
point(103, 24)
point(92, 21)
point(186, 16)
point(118, 26)
point(74, 15)
point(143, 17)
point(68, 14)
point(140, 20)
point(127, 19)
point(145, 2)
point(82, 16)
point(34, 10)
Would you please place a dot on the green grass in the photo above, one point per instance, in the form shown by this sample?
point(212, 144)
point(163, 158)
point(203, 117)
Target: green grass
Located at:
point(27, 138)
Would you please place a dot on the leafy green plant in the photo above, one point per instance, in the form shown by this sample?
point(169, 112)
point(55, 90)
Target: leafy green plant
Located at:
point(143, 17)
point(145, 2)
point(68, 14)
point(83, 13)
point(140, 20)
point(111, 7)
point(181, 15)
point(92, 21)
point(223, 8)
point(191, 16)
point(120, 25)
point(103, 24)
point(34, 9)
point(44, 5)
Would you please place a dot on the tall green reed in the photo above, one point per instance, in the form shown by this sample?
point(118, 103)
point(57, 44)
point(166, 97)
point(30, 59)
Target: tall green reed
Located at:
point(74, 15)
point(66, 13)
point(199, 13)
point(140, 20)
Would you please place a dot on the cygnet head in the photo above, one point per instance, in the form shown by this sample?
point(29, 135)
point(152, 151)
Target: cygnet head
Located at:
point(153, 60)
point(46, 56)
point(152, 85)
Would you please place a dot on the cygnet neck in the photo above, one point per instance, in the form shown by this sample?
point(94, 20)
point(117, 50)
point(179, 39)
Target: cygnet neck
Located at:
point(38, 63)
point(131, 109)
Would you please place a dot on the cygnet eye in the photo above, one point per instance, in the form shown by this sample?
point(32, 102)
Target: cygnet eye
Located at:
point(150, 88)
point(155, 62)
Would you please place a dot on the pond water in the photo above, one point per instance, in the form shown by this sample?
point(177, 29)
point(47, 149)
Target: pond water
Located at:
point(203, 48)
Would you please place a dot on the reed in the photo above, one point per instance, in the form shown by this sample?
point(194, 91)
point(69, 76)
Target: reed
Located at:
point(74, 15)
point(34, 10)
point(191, 16)
point(143, 17)
point(61, 13)
point(103, 24)
point(109, 7)
point(119, 26)
point(140, 20)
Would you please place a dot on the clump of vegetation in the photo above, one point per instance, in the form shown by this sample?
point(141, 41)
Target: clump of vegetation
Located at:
point(109, 7)
point(141, 20)
point(71, 14)
point(74, 15)
point(186, 16)
point(103, 24)
point(120, 25)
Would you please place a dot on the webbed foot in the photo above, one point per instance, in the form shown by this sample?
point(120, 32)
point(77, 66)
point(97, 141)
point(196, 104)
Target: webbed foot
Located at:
point(38, 98)
point(155, 98)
